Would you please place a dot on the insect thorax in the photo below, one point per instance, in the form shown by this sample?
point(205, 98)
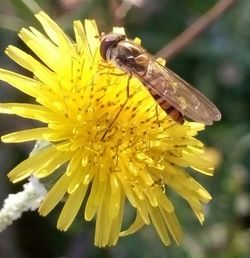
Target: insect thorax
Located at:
point(126, 56)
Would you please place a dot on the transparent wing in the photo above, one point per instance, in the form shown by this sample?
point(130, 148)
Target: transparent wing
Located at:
point(177, 92)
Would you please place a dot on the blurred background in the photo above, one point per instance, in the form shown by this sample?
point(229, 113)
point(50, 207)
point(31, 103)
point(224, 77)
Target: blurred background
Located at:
point(217, 63)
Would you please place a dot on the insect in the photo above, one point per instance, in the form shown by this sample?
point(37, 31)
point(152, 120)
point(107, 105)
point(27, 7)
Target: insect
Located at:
point(174, 95)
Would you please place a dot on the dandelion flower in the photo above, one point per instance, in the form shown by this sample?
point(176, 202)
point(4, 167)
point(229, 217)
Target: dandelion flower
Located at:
point(135, 159)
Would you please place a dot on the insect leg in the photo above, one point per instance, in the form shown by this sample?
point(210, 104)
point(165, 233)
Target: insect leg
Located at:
point(157, 115)
point(122, 107)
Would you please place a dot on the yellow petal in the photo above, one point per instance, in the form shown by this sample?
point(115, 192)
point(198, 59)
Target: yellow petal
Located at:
point(71, 207)
point(25, 135)
point(54, 196)
point(137, 225)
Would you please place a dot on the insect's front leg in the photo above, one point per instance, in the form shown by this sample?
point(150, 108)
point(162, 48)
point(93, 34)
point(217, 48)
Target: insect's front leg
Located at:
point(121, 108)
point(157, 115)
point(128, 81)
point(107, 69)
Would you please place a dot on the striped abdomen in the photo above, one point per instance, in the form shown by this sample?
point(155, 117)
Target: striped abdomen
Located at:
point(170, 110)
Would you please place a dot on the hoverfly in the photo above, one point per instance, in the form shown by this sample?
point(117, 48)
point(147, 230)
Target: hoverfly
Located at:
point(174, 95)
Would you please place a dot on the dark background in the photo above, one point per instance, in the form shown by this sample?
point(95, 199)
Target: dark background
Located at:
point(218, 63)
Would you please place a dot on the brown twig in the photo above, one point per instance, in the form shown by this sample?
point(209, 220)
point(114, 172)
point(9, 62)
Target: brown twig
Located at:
point(191, 33)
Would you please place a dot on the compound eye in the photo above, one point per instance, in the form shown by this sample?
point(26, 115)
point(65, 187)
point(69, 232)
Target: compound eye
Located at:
point(108, 42)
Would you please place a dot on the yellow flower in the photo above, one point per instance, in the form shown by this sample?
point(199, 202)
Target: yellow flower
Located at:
point(134, 158)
